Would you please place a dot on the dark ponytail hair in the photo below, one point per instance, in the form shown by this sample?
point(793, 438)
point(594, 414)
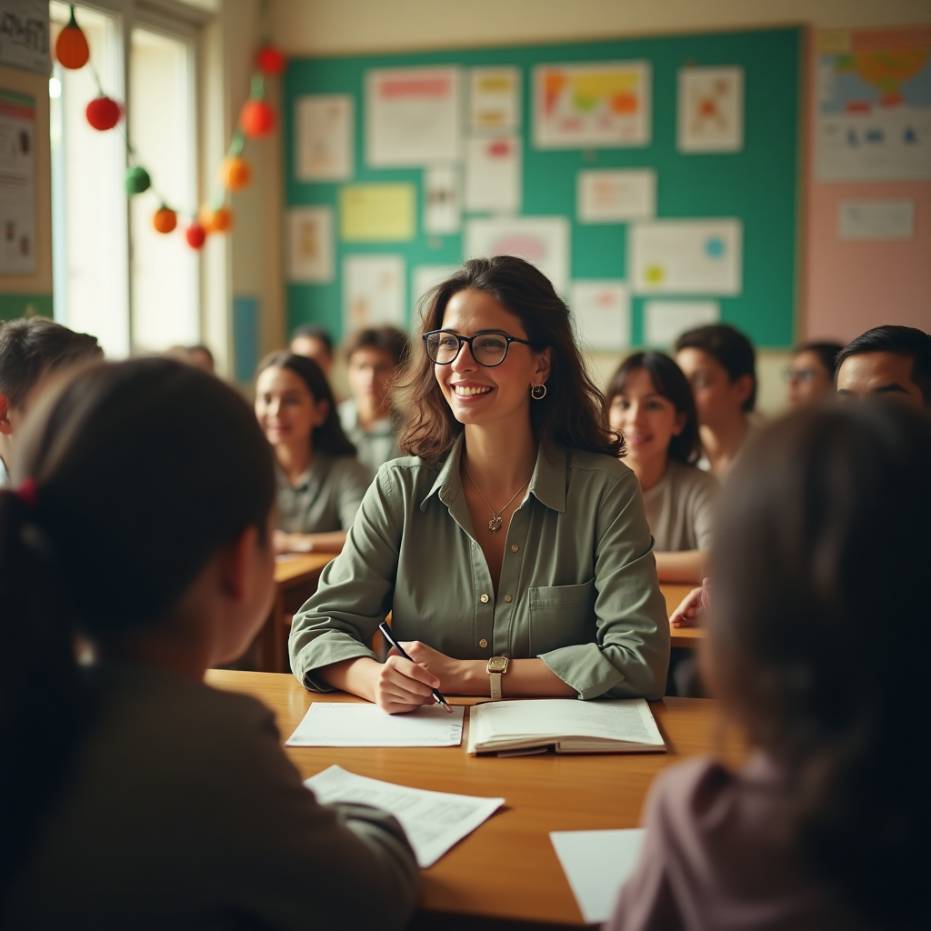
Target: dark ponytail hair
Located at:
point(820, 643)
point(132, 476)
point(329, 437)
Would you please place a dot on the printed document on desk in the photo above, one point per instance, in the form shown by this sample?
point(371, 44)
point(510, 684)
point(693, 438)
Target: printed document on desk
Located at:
point(433, 821)
point(365, 725)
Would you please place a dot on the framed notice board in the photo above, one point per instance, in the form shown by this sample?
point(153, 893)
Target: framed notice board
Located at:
point(616, 158)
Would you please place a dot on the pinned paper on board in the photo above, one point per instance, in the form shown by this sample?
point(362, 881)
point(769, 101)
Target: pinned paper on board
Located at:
point(873, 116)
point(612, 196)
point(541, 241)
point(427, 277)
point(324, 138)
point(442, 207)
point(373, 291)
point(592, 105)
point(493, 174)
point(663, 321)
point(880, 219)
point(310, 244)
point(711, 109)
point(494, 99)
point(377, 212)
point(686, 257)
point(412, 116)
point(602, 313)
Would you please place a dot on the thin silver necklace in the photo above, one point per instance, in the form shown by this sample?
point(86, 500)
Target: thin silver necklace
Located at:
point(494, 524)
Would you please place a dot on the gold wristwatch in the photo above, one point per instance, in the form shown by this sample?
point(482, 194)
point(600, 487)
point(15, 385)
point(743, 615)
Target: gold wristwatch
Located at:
point(496, 667)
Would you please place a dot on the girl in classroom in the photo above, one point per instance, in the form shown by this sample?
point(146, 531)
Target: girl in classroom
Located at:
point(137, 796)
point(817, 651)
point(650, 405)
point(320, 482)
point(511, 546)
point(810, 375)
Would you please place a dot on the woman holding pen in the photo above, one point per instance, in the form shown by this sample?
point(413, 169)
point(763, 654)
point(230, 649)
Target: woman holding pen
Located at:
point(511, 546)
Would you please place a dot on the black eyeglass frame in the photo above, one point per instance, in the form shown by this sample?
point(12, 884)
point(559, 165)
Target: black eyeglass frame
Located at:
point(468, 339)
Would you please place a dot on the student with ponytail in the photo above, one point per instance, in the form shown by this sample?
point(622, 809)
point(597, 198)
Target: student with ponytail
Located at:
point(132, 794)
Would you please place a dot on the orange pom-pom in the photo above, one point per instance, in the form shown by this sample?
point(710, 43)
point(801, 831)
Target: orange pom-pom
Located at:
point(216, 221)
point(235, 173)
point(164, 220)
point(195, 235)
point(257, 118)
point(103, 113)
point(71, 47)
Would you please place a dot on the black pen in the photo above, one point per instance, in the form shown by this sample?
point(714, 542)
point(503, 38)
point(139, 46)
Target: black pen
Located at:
point(386, 633)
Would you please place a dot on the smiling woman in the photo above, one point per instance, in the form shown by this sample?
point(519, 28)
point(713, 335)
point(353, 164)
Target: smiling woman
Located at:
point(511, 546)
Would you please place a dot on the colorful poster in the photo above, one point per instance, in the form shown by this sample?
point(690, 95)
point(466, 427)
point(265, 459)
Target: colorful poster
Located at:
point(310, 244)
point(17, 183)
point(542, 241)
point(373, 291)
point(494, 99)
point(873, 112)
point(377, 212)
point(663, 321)
point(24, 35)
point(324, 138)
point(592, 105)
point(602, 314)
point(427, 277)
point(442, 208)
point(686, 257)
point(711, 109)
point(493, 174)
point(615, 196)
point(413, 117)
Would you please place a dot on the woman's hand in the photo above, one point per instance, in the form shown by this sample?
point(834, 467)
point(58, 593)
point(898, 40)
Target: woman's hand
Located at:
point(402, 685)
point(691, 608)
point(291, 542)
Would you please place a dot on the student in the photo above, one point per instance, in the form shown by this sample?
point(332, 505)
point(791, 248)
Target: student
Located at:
point(893, 360)
point(315, 343)
point(137, 796)
point(197, 355)
point(320, 482)
point(720, 364)
point(810, 376)
point(650, 404)
point(373, 358)
point(31, 351)
point(511, 547)
point(818, 653)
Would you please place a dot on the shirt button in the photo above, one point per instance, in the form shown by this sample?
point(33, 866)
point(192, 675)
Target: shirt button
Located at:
point(514, 547)
point(483, 643)
point(483, 598)
point(508, 599)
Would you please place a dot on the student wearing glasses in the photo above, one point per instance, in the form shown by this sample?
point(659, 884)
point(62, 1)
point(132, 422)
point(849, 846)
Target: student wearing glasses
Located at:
point(810, 376)
point(511, 546)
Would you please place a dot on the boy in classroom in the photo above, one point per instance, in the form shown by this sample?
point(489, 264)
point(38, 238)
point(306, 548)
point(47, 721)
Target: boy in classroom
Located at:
point(374, 356)
point(887, 360)
point(31, 350)
point(810, 375)
point(817, 651)
point(720, 364)
point(315, 343)
point(136, 796)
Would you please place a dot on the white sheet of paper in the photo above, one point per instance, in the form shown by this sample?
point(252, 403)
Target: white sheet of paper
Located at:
point(433, 821)
point(610, 196)
point(310, 244)
point(597, 863)
point(373, 291)
point(442, 200)
point(366, 725)
point(412, 116)
point(494, 99)
point(663, 321)
point(324, 137)
point(711, 109)
point(876, 219)
point(493, 174)
point(542, 241)
point(686, 257)
point(427, 277)
point(602, 313)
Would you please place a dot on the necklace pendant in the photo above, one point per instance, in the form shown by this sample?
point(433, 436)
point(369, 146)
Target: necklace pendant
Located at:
point(494, 525)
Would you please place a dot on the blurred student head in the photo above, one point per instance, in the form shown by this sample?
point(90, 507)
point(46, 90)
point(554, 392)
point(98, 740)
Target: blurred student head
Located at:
point(197, 355)
point(373, 358)
point(315, 343)
point(810, 375)
point(890, 360)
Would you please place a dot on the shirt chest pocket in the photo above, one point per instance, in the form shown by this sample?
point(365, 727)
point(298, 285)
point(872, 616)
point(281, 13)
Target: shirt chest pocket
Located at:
point(561, 616)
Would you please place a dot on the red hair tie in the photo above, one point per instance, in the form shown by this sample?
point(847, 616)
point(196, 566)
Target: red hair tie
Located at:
point(28, 493)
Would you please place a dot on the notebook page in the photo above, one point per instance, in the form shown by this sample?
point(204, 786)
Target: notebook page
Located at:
point(365, 725)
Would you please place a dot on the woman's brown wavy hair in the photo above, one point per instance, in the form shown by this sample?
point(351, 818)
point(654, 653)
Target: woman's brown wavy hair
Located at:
point(571, 414)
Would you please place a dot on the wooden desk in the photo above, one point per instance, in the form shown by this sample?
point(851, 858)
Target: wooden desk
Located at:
point(506, 873)
point(688, 637)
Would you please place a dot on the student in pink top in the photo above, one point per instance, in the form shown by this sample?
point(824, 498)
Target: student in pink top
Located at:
point(818, 646)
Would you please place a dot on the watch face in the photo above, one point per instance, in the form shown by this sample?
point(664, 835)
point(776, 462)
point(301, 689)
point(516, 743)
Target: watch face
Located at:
point(498, 664)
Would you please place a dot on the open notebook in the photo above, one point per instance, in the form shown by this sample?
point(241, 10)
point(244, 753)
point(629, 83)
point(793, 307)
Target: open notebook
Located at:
point(565, 725)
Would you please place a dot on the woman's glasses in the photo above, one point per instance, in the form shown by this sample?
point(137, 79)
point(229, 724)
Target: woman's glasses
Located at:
point(488, 349)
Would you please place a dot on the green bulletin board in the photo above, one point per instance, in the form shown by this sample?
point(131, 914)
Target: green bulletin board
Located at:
point(757, 184)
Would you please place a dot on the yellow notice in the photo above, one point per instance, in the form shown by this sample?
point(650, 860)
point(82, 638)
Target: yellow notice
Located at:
point(377, 212)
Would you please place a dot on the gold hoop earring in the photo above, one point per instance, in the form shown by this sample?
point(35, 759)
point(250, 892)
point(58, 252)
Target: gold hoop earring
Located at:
point(538, 392)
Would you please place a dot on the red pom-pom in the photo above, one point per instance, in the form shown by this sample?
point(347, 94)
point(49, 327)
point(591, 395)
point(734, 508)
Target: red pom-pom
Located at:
point(257, 118)
point(103, 113)
point(195, 235)
point(270, 60)
point(71, 47)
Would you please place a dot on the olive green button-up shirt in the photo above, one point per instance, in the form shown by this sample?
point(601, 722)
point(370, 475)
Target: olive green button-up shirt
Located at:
point(325, 498)
point(577, 589)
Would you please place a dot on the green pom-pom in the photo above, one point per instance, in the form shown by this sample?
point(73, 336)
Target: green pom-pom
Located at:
point(137, 180)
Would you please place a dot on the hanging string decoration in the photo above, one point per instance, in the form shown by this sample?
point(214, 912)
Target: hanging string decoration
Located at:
point(256, 119)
